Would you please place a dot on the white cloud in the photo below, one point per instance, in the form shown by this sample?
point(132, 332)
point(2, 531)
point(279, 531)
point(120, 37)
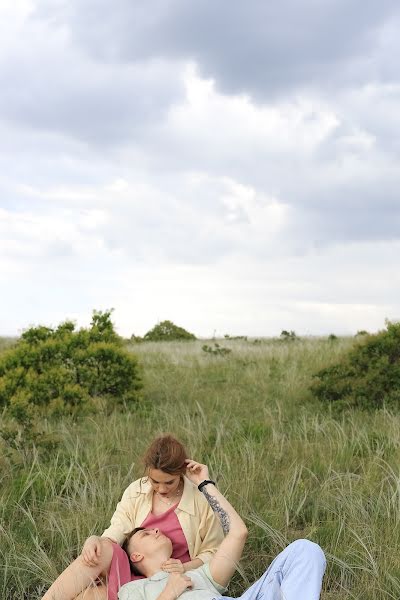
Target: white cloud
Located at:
point(223, 125)
point(129, 178)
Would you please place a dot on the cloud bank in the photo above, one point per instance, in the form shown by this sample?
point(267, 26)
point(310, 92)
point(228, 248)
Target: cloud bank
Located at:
point(232, 167)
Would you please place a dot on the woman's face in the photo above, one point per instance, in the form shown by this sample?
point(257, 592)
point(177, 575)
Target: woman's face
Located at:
point(163, 483)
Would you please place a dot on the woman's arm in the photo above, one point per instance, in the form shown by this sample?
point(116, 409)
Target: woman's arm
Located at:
point(121, 521)
point(174, 565)
point(225, 561)
point(192, 564)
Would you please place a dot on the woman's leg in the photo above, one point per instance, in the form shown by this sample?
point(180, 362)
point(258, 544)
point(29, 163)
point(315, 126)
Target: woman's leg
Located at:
point(295, 574)
point(98, 592)
point(78, 576)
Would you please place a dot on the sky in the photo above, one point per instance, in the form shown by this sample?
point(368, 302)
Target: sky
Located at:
point(230, 166)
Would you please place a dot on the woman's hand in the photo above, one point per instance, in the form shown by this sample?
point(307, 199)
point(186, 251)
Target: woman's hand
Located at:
point(173, 565)
point(91, 551)
point(196, 472)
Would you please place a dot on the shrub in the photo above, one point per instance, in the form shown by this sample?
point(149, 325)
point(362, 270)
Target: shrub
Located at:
point(135, 339)
point(288, 336)
point(63, 371)
point(166, 331)
point(217, 350)
point(367, 377)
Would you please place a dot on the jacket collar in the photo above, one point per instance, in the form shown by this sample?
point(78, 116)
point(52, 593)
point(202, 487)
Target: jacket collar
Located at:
point(187, 501)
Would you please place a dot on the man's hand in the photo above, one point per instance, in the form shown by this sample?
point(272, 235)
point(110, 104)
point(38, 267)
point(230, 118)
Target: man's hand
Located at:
point(177, 583)
point(173, 565)
point(196, 472)
point(91, 551)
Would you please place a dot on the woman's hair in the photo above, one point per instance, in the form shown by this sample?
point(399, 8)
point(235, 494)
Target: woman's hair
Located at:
point(166, 454)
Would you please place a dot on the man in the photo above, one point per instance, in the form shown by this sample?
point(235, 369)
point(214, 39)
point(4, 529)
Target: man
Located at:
point(295, 574)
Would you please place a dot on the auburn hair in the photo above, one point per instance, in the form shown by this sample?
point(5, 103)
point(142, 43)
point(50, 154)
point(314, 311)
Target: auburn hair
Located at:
point(166, 454)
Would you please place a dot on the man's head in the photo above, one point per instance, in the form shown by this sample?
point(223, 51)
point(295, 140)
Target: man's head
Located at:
point(147, 549)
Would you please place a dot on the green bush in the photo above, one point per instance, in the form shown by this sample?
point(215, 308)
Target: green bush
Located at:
point(135, 339)
point(167, 331)
point(217, 350)
point(63, 371)
point(368, 377)
point(288, 336)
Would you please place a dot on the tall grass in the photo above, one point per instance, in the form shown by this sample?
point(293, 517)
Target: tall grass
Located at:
point(7, 342)
point(290, 467)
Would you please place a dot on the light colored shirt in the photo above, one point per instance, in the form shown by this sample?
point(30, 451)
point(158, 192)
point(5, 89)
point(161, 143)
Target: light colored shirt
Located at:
point(201, 527)
point(204, 586)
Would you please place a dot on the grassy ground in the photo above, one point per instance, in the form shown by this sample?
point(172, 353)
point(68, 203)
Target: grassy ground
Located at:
point(291, 469)
point(7, 342)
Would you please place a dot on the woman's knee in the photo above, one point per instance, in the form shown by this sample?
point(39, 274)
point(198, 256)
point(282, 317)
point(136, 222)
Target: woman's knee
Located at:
point(105, 558)
point(106, 555)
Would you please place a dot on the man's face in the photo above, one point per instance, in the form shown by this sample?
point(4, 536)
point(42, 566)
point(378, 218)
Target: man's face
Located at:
point(149, 542)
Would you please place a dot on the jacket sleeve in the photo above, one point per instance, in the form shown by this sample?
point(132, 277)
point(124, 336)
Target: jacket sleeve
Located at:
point(121, 521)
point(211, 534)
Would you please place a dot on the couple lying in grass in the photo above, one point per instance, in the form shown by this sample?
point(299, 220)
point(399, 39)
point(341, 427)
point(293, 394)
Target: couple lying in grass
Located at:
point(180, 537)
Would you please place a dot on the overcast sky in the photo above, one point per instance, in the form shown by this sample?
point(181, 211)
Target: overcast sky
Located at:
point(231, 166)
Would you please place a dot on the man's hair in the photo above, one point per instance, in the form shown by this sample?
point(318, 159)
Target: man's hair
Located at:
point(134, 569)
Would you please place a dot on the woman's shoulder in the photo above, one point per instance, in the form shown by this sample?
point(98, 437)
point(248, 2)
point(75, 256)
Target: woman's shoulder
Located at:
point(137, 487)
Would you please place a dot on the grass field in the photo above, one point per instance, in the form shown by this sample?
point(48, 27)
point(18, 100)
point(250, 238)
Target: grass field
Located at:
point(290, 468)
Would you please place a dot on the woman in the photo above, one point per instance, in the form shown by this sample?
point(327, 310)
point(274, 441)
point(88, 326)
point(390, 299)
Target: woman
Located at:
point(164, 499)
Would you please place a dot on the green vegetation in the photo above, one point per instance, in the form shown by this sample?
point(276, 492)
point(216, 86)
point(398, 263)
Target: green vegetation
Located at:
point(216, 350)
point(290, 467)
point(54, 372)
point(368, 377)
point(167, 331)
point(289, 336)
point(7, 342)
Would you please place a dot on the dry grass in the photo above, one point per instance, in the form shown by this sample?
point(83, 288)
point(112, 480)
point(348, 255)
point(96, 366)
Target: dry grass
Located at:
point(289, 466)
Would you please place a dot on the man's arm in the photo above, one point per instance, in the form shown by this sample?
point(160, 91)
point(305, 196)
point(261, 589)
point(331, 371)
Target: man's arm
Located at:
point(224, 563)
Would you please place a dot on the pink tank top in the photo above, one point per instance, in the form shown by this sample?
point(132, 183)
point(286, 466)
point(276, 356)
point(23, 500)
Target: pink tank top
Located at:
point(168, 523)
point(120, 571)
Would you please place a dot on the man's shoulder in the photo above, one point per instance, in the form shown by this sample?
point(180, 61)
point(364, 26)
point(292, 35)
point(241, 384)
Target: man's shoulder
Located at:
point(199, 571)
point(203, 573)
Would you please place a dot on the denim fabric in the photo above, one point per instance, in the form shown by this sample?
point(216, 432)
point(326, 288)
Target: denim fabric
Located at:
point(295, 574)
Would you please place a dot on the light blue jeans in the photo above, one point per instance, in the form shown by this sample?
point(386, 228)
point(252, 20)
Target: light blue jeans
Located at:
point(295, 574)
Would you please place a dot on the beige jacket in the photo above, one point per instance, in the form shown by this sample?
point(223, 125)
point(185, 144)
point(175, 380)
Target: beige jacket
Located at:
point(200, 526)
